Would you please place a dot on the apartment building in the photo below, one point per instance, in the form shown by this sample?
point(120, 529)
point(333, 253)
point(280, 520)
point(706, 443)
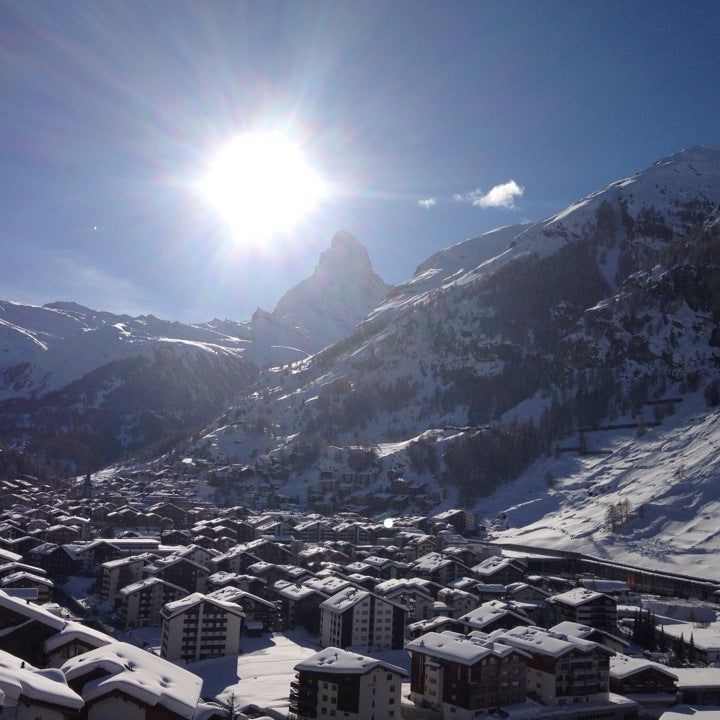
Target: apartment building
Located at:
point(336, 683)
point(460, 676)
point(199, 627)
point(119, 573)
point(562, 670)
point(140, 603)
point(587, 607)
point(359, 618)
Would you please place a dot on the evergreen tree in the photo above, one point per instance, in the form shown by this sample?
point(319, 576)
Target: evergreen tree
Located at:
point(681, 648)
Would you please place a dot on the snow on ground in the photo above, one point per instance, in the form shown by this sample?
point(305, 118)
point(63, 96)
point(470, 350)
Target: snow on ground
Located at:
point(262, 674)
point(668, 476)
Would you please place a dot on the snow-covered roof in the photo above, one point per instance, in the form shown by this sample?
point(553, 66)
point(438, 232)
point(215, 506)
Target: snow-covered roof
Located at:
point(76, 631)
point(139, 674)
point(31, 611)
point(236, 595)
point(344, 600)
point(18, 678)
point(604, 586)
point(178, 607)
point(623, 666)
point(583, 631)
point(708, 677)
point(335, 660)
point(577, 596)
point(537, 640)
point(488, 613)
point(463, 649)
point(21, 575)
point(146, 583)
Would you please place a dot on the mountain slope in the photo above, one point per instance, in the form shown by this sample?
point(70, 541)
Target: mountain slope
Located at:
point(83, 387)
point(520, 347)
point(668, 477)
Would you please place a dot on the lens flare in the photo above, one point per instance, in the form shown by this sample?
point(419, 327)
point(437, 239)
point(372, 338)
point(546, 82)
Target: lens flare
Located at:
point(260, 184)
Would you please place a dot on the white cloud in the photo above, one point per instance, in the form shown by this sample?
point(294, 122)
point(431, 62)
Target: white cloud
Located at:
point(503, 195)
point(427, 203)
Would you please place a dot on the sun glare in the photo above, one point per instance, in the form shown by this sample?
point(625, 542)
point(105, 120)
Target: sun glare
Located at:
point(261, 184)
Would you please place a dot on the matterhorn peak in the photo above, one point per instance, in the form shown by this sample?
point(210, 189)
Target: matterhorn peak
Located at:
point(340, 293)
point(345, 251)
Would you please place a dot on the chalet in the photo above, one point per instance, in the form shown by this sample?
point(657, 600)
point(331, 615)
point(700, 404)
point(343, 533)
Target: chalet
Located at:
point(462, 677)
point(417, 546)
point(439, 624)
point(413, 594)
point(74, 639)
point(260, 613)
point(499, 569)
point(650, 684)
point(438, 567)
point(457, 601)
point(24, 628)
point(123, 681)
point(179, 571)
point(59, 561)
point(612, 641)
point(21, 579)
point(31, 693)
point(463, 521)
point(699, 687)
point(119, 573)
point(299, 605)
point(336, 683)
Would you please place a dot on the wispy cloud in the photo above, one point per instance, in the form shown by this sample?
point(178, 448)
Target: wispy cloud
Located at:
point(427, 203)
point(500, 196)
point(60, 274)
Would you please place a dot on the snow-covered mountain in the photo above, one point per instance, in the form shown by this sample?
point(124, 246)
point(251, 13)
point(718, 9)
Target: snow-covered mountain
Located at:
point(63, 365)
point(83, 386)
point(317, 312)
point(42, 349)
point(577, 319)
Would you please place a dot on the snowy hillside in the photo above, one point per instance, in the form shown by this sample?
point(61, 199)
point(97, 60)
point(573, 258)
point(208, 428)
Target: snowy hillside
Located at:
point(82, 386)
point(668, 476)
point(582, 318)
point(449, 264)
point(42, 349)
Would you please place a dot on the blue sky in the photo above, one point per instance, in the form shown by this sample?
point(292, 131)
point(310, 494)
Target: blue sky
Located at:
point(109, 110)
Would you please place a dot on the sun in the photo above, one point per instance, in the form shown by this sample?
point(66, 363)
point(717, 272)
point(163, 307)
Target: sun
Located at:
point(260, 184)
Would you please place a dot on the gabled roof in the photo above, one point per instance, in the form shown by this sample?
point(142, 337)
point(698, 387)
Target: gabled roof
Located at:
point(20, 679)
point(75, 631)
point(623, 666)
point(463, 649)
point(136, 673)
point(539, 641)
point(177, 607)
point(579, 596)
point(341, 662)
